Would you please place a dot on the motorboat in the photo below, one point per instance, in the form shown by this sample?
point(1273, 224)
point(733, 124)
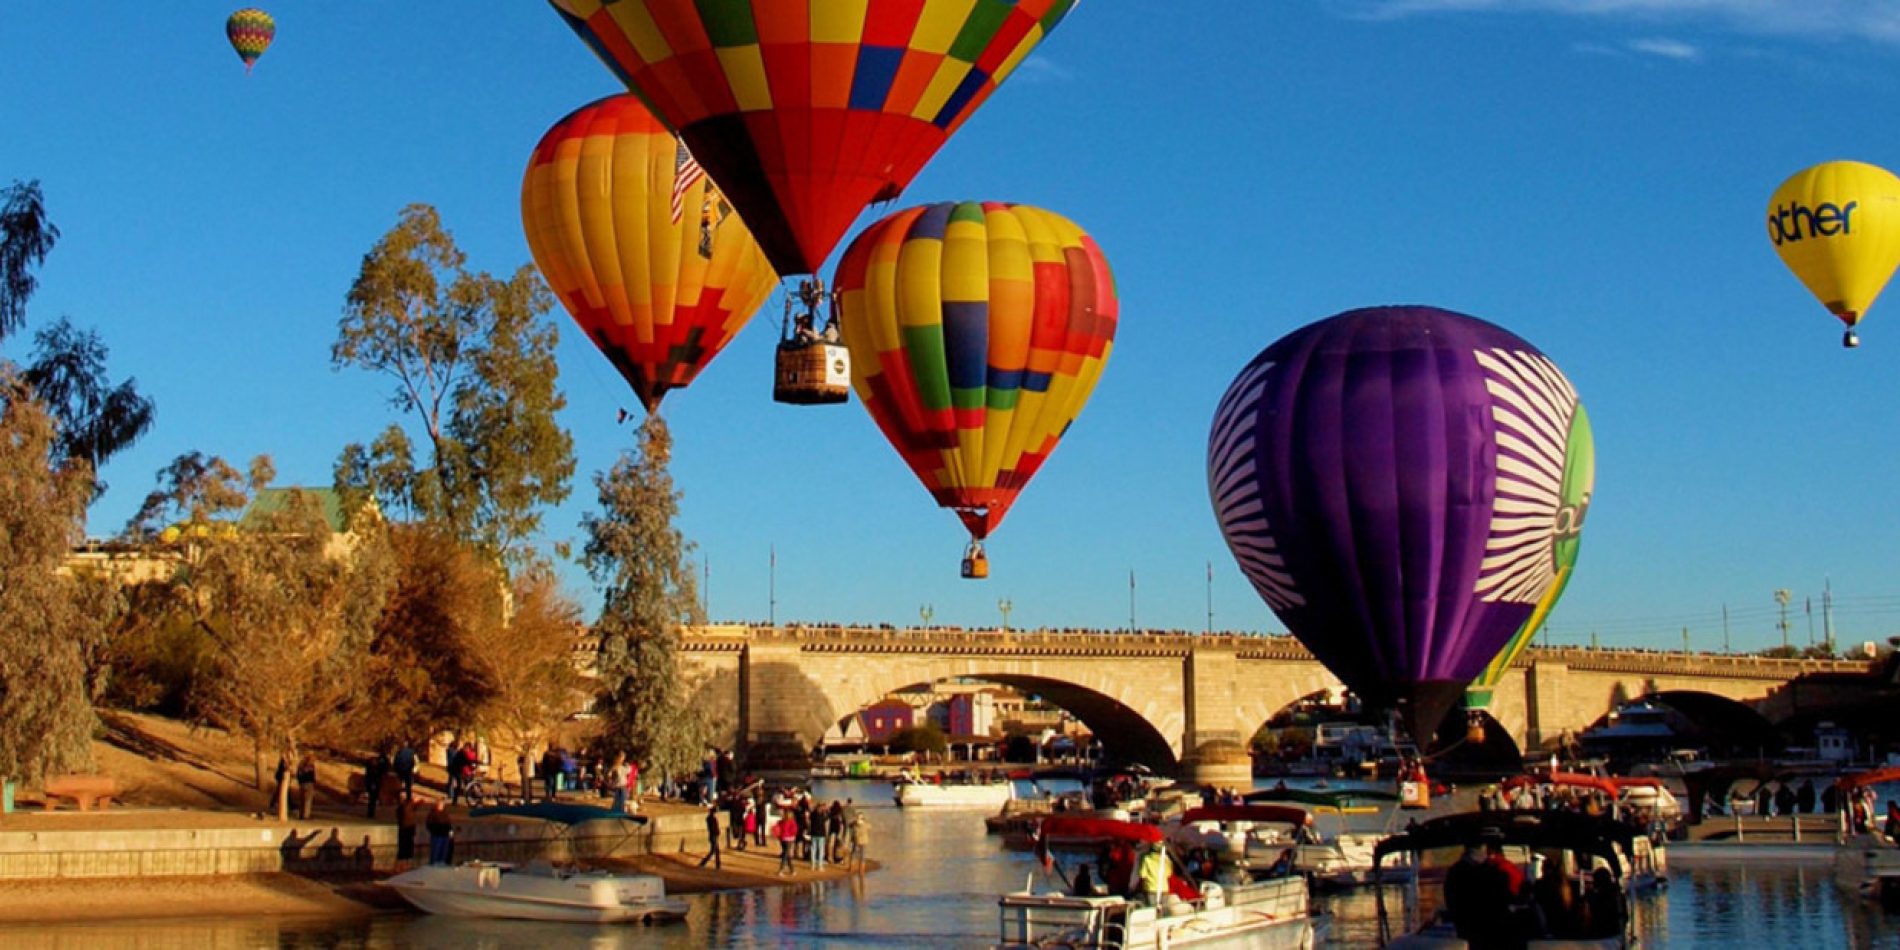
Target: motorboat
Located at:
point(1867, 863)
point(539, 890)
point(1249, 837)
point(1271, 914)
point(1342, 859)
point(1644, 805)
point(911, 791)
point(1582, 853)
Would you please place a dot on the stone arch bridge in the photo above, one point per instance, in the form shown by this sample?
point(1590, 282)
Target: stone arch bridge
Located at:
point(1180, 702)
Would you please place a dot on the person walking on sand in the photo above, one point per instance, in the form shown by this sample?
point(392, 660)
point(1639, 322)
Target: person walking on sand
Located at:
point(787, 832)
point(712, 838)
point(441, 834)
point(306, 784)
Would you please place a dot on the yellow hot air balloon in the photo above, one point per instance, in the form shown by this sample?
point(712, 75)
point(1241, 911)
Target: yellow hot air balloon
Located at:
point(640, 245)
point(1837, 226)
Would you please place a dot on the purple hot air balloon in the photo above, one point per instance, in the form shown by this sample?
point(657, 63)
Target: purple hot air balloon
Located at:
point(1390, 480)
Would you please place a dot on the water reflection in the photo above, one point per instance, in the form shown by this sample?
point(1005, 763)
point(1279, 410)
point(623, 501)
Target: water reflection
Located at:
point(939, 890)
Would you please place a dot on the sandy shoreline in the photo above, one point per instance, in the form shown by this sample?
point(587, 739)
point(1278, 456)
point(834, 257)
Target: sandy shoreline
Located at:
point(290, 895)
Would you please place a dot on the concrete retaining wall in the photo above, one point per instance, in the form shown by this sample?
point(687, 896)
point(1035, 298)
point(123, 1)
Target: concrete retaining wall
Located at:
point(319, 847)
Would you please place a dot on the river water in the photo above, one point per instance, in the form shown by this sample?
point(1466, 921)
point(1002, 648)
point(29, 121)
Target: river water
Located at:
point(939, 887)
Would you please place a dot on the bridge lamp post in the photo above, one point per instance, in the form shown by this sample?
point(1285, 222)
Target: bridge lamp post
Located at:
point(1782, 597)
point(926, 612)
point(1005, 606)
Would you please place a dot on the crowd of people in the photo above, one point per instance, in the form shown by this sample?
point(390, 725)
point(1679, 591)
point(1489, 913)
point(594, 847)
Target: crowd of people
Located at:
point(805, 830)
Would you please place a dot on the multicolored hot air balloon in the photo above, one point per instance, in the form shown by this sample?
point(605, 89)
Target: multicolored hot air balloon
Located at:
point(1837, 226)
point(807, 112)
point(1398, 484)
point(250, 31)
point(640, 245)
point(977, 332)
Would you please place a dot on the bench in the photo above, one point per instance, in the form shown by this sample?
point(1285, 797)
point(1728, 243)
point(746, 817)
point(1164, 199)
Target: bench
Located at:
point(82, 790)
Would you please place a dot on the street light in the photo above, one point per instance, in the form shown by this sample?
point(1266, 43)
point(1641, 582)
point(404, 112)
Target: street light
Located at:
point(1005, 606)
point(926, 611)
point(1782, 597)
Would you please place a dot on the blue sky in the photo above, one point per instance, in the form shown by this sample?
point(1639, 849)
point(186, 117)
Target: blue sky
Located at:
point(1591, 174)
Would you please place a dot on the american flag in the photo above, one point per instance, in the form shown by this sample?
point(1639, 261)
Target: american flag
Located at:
point(686, 171)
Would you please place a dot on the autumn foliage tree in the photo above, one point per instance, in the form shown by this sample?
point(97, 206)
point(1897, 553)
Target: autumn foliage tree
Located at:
point(537, 685)
point(289, 614)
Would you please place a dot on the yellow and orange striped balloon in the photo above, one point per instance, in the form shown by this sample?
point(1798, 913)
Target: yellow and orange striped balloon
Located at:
point(639, 244)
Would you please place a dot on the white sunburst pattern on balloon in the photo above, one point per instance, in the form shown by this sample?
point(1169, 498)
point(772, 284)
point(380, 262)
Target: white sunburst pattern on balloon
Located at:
point(1232, 482)
point(1532, 408)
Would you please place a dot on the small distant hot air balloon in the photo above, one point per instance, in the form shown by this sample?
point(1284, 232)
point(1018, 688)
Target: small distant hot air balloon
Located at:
point(640, 245)
point(1837, 226)
point(977, 332)
point(806, 112)
point(1395, 482)
point(250, 31)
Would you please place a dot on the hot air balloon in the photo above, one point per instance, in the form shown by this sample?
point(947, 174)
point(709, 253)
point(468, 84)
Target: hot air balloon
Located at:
point(1579, 482)
point(1837, 226)
point(977, 332)
point(250, 31)
point(1393, 483)
point(641, 247)
point(804, 113)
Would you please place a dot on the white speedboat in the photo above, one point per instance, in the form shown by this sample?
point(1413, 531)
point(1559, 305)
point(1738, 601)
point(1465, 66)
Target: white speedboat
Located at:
point(537, 891)
point(1345, 861)
point(1244, 836)
point(1270, 914)
point(953, 794)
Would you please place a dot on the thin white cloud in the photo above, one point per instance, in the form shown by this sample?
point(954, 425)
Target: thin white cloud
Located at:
point(1041, 69)
point(1877, 20)
point(1665, 48)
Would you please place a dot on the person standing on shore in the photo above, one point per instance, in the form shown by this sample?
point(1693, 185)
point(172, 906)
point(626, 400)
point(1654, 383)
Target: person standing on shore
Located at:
point(306, 784)
point(406, 833)
point(616, 781)
point(787, 832)
point(712, 838)
point(550, 772)
point(860, 840)
point(441, 834)
point(373, 775)
point(405, 766)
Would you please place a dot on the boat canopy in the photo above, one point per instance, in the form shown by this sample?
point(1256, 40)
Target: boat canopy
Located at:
point(1342, 798)
point(1864, 779)
point(1571, 779)
point(562, 813)
point(1265, 814)
point(1584, 834)
point(1107, 829)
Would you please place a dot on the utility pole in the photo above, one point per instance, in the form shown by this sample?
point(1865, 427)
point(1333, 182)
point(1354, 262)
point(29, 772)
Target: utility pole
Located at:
point(1807, 604)
point(1685, 639)
point(705, 589)
point(1131, 601)
point(1725, 648)
point(771, 588)
point(1593, 639)
point(1782, 597)
point(1210, 598)
point(1827, 613)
